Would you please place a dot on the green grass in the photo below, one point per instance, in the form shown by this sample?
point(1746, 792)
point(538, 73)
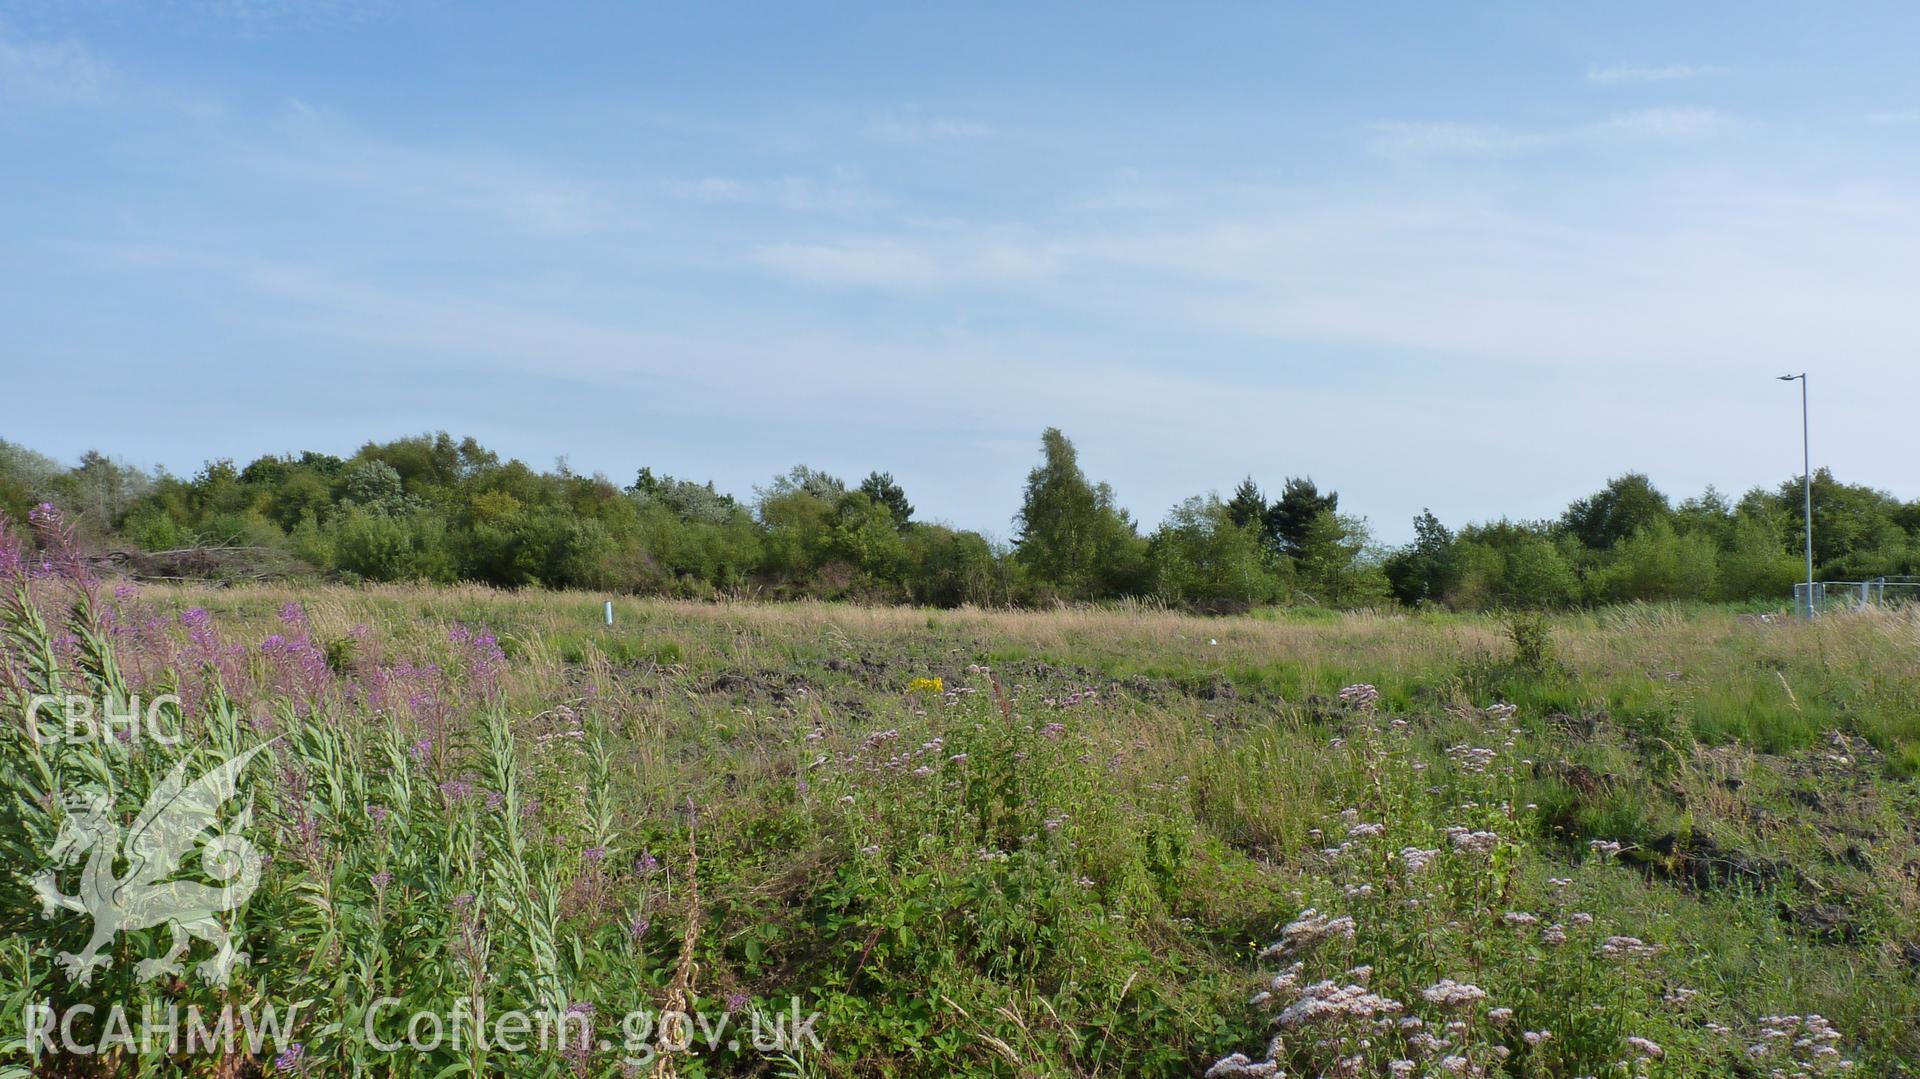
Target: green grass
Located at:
point(1089, 899)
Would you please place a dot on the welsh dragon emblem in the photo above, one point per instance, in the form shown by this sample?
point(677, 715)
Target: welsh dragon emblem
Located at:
point(165, 831)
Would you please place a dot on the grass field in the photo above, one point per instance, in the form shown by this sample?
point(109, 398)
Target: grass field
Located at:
point(1083, 842)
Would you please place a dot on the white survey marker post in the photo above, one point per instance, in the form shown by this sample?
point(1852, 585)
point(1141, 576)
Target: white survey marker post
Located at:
point(609, 612)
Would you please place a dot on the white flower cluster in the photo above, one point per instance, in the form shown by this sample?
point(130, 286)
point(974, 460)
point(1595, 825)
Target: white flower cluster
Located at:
point(1362, 695)
point(1238, 1064)
point(1645, 1048)
point(1417, 859)
point(1802, 1045)
point(1467, 841)
point(1451, 994)
point(1327, 1003)
point(1347, 1019)
point(1626, 948)
point(1470, 758)
point(1304, 932)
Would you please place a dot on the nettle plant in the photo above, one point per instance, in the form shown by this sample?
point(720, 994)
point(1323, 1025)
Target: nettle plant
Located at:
point(400, 852)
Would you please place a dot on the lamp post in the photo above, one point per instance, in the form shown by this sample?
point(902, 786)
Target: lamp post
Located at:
point(1806, 480)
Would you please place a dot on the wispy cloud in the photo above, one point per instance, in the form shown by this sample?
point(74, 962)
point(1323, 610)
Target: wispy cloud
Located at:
point(50, 71)
point(1892, 117)
point(845, 190)
point(907, 127)
point(915, 263)
point(1397, 139)
point(312, 147)
point(871, 264)
point(1660, 123)
point(265, 16)
point(1616, 74)
point(1409, 140)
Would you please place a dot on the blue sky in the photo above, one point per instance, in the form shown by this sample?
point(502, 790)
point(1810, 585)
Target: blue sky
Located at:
point(1477, 258)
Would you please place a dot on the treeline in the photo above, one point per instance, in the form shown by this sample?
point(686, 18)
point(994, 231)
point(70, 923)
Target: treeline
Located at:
point(435, 509)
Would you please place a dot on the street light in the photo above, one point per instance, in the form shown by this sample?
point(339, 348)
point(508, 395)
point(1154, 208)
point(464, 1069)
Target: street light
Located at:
point(1806, 480)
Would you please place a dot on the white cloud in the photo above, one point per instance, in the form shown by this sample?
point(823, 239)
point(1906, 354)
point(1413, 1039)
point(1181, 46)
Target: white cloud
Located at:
point(1414, 140)
point(1664, 123)
point(1617, 74)
point(1395, 139)
point(1163, 319)
point(267, 16)
point(1663, 299)
point(908, 127)
point(878, 265)
point(314, 148)
point(1892, 117)
point(57, 72)
point(844, 191)
point(1694, 274)
point(915, 262)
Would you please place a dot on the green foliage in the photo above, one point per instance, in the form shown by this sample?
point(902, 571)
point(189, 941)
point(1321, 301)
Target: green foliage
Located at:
point(1333, 565)
point(1538, 574)
point(686, 500)
point(1290, 520)
point(1074, 540)
point(1201, 558)
point(376, 487)
point(1623, 507)
point(1532, 642)
point(880, 488)
point(434, 508)
point(947, 568)
point(1058, 518)
point(1425, 570)
point(1061, 868)
point(100, 491)
point(26, 479)
point(1657, 564)
point(1247, 507)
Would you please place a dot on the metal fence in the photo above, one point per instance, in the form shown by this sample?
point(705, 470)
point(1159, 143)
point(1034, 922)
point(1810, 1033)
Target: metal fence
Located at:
point(1820, 596)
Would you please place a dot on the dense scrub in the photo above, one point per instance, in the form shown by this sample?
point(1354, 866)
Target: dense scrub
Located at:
point(436, 510)
point(1071, 843)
